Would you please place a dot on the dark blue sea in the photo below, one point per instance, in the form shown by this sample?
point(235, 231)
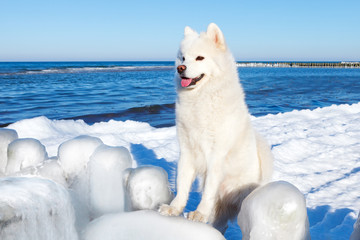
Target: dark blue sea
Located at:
point(144, 91)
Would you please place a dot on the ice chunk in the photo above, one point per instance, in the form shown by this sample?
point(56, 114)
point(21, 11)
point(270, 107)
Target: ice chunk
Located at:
point(23, 153)
point(51, 169)
point(97, 188)
point(6, 137)
point(276, 210)
point(82, 213)
point(34, 208)
point(148, 225)
point(74, 156)
point(106, 168)
point(356, 233)
point(75, 153)
point(80, 193)
point(147, 187)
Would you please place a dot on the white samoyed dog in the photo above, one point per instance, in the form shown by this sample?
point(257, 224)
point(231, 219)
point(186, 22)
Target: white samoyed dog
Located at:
point(217, 140)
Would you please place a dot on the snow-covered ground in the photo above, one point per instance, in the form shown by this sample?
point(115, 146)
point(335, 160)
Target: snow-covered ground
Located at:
point(317, 151)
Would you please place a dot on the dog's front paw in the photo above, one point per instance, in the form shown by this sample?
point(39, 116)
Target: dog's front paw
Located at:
point(167, 210)
point(197, 216)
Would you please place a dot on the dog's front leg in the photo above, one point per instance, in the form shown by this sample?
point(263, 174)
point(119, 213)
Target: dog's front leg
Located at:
point(185, 178)
point(212, 182)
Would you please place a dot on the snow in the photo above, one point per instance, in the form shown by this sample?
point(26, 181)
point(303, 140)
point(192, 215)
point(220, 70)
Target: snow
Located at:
point(274, 211)
point(147, 187)
point(148, 225)
point(34, 208)
point(316, 151)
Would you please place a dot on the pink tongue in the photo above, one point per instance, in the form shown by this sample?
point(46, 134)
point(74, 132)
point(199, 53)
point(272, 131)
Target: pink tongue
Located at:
point(185, 82)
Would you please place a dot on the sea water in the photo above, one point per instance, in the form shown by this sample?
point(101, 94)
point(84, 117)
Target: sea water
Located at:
point(144, 91)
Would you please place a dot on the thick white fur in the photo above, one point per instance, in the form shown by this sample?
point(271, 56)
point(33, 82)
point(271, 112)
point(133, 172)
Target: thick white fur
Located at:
point(214, 130)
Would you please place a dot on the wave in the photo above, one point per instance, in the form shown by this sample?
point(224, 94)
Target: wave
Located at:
point(89, 69)
point(159, 115)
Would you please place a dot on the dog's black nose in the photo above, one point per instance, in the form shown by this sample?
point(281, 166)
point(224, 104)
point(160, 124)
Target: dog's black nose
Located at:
point(181, 68)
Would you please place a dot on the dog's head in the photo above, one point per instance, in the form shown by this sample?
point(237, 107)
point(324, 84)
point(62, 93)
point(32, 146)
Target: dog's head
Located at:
point(198, 56)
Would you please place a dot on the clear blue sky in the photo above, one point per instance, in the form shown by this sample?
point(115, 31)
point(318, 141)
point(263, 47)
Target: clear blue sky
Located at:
point(49, 30)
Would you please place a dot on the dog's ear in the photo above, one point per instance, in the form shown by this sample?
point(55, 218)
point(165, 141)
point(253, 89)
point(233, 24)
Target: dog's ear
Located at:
point(215, 34)
point(188, 31)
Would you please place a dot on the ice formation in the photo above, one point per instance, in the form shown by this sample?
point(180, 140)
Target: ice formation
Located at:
point(276, 210)
point(51, 169)
point(23, 153)
point(106, 167)
point(94, 177)
point(74, 154)
point(356, 233)
point(317, 151)
point(34, 208)
point(147, 187)
point(6, 137)
point(149, 225)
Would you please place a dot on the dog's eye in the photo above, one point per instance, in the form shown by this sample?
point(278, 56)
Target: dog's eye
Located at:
point(199, 58)
point(183, 58)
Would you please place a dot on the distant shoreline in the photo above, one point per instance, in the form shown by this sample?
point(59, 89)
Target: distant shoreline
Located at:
point(300, 64)
point(276, 64)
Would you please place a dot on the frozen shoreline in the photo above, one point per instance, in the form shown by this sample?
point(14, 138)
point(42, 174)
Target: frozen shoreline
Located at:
point(317, 151)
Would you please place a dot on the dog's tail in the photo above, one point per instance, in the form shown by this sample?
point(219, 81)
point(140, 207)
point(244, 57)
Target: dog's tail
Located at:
point(228, 207)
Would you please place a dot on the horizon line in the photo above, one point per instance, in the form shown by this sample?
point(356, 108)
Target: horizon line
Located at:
point(245, 61)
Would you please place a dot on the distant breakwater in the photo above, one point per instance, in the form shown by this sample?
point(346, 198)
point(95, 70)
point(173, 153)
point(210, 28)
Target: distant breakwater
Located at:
point(301, 64)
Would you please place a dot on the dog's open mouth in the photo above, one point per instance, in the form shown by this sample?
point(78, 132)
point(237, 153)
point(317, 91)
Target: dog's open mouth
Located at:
point(186, 82)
